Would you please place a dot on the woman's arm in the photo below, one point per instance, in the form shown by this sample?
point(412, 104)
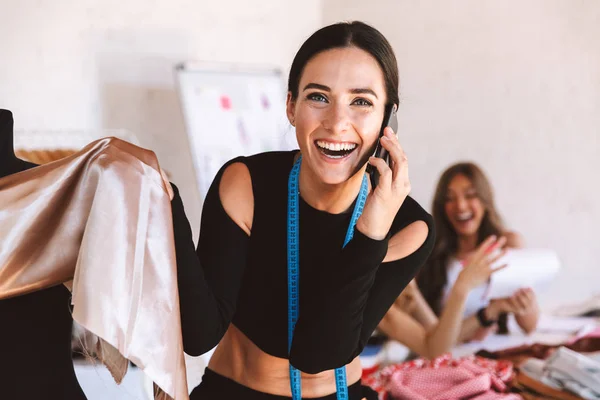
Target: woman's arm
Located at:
point(514, 240)
point(424, 314)
point(398, 325)
point(411, 301)
point(528, 322)
point(419, 309)
point(527, 311)
point(450, 328)
point(210, 276)
point(439, 339)
point(478, 269)
point(471, 329)
point(428, 343)
point(524, 300)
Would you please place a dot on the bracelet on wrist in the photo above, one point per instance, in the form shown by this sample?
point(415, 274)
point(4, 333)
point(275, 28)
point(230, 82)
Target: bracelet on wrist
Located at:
point(483, 320)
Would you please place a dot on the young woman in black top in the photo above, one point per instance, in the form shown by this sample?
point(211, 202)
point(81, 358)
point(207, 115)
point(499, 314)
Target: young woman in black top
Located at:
point(340, 82)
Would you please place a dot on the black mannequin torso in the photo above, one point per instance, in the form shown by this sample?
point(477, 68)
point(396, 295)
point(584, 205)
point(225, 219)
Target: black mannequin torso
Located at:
point(9, 163)
point(35, 333)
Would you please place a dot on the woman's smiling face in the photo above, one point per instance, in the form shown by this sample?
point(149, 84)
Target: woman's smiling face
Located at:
point(338, 112)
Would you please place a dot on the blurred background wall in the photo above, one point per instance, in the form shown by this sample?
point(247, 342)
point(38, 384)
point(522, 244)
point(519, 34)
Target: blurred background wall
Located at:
point(512, 85)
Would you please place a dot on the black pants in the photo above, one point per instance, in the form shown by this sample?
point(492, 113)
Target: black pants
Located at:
point(215, 386)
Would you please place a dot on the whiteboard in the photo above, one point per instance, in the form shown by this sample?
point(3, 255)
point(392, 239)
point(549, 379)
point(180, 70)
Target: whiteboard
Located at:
point(231, 110)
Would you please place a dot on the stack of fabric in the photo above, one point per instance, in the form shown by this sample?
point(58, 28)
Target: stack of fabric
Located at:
point(568, 371)
point(564, 371)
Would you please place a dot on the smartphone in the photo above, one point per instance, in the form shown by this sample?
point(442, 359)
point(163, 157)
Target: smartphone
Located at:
point(390, 118)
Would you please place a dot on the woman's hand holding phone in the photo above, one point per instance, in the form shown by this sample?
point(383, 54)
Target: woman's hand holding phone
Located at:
point(385, 199)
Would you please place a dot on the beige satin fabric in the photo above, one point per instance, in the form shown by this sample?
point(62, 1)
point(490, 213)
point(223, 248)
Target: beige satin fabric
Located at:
point(101, 218)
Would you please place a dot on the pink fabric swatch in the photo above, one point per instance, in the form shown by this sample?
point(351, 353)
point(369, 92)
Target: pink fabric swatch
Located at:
point(445, 379)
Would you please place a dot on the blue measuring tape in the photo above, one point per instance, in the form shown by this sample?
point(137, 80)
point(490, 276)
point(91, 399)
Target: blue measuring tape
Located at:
point(293, 236)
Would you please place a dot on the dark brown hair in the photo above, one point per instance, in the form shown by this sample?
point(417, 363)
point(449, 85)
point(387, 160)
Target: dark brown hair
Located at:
point(348, 34)
point(433, 277)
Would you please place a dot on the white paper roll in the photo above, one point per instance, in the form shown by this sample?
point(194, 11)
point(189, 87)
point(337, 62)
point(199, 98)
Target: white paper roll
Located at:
point(534, 268)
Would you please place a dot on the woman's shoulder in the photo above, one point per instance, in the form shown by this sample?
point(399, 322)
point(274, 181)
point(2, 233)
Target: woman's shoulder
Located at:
point(257, 166)
point(242, 178)
point(243, 168)
point(254, 169)
point(514, 240)
point(412, 231)
point(266, 158)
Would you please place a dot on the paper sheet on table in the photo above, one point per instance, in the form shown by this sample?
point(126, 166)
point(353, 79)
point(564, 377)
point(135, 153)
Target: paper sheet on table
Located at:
point(534, 268)
point(572, 325)
point(590, 305)
point(551, 330)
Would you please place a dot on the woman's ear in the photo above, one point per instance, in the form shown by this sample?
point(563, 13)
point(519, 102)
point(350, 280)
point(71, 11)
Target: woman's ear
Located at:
point(290, 108)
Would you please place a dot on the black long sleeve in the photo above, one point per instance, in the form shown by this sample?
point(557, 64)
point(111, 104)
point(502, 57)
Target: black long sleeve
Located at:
point(208, 279)
point(354, 295)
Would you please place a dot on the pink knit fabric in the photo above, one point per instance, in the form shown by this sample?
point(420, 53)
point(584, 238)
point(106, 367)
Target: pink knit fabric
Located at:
point(445, 379)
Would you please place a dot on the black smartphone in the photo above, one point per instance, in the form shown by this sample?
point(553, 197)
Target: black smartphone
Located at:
point(390, 118)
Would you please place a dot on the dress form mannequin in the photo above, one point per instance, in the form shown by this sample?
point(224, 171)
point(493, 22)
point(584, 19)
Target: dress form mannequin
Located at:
point(35, 339)
point(9, 163)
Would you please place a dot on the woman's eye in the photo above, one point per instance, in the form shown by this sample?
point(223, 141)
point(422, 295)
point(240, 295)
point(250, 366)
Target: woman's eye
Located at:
point(362, 102)
point(316, 97)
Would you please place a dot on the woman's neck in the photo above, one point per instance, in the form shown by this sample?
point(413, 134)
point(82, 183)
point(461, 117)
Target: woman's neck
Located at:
point(334, 199)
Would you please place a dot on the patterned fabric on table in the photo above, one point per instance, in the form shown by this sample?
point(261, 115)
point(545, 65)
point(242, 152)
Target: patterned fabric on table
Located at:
point(444, 378)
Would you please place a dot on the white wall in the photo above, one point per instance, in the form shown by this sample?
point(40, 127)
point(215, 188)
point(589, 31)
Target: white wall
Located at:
point(515, 86)
point(92, 64)
point(100, 64)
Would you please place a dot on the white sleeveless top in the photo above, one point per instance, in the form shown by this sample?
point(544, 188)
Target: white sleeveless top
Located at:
point(476, 299)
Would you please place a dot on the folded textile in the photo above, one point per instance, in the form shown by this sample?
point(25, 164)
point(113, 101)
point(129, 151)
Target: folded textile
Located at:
point(533, 389)
point(444, 378)
point(567, 370)
point(99, 222)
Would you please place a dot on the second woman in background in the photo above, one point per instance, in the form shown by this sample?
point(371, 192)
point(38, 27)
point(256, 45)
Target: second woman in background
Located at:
point(449, 305)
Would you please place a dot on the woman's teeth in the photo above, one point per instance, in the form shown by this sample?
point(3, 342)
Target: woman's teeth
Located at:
point(464, 217)
point(335, 146)
point(335, 150)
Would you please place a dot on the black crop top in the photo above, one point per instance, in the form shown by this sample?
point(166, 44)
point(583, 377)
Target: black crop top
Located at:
point(344, 293)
